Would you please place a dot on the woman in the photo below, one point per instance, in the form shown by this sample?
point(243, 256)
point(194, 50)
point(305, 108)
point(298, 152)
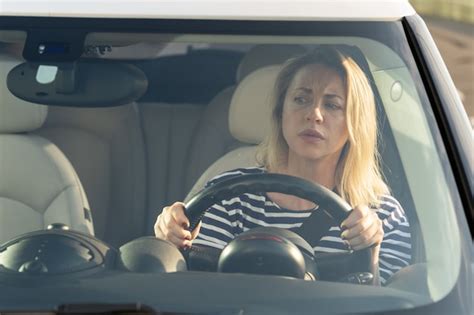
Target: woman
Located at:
point(325, 131)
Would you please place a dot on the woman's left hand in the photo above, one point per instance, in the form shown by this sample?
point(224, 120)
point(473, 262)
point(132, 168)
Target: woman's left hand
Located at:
point(362, 229)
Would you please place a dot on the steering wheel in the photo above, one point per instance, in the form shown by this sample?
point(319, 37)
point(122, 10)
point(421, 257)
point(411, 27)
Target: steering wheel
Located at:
point(331, 204)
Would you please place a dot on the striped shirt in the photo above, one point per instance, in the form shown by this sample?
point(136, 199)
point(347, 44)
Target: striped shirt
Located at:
point(223, 221)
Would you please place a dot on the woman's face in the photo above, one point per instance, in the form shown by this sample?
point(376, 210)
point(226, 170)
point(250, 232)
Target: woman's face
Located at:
point(314, 119)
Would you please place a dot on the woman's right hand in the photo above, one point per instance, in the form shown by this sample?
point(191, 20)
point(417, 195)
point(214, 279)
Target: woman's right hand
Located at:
point(172, 225)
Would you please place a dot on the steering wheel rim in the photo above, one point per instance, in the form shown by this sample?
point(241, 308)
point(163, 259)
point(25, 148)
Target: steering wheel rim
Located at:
point(333, 204)
point(197, 206)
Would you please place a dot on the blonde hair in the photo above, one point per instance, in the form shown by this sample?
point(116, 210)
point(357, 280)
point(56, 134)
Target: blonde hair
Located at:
point(358, 176)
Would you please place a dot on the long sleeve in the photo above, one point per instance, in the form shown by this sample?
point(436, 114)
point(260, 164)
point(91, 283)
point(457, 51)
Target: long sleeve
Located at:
point(395, 250)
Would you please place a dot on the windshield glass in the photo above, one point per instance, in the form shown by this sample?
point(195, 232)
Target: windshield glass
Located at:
point(106, 144)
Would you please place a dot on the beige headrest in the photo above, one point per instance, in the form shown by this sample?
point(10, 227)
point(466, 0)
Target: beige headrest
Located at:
point(251, 105)
point(17, 115)
point(265, 55)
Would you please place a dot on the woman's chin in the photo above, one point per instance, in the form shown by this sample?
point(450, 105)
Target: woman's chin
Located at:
point(308, 154)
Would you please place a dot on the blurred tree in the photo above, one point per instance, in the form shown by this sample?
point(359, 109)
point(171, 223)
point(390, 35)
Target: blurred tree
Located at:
point(457, 10)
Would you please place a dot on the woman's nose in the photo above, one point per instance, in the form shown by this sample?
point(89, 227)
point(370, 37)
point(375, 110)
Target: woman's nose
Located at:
point(315, 114)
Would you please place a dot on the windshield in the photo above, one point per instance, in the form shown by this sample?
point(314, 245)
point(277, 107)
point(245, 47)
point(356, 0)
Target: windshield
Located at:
point(106, 141)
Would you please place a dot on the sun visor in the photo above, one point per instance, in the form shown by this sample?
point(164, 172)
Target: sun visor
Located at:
point(81, 83)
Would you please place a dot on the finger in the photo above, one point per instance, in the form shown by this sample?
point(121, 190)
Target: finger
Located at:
point(358, 228)
point(196, 230)
point(178, 241)
point(162, 230)
point(165, 215)
point(371, 236)
point(177, 230)
point(166, 226)
point(356, 214)
point(157, 227)
point(178, 214)
point(375, 241)
point(163, 227)
point(364, 239)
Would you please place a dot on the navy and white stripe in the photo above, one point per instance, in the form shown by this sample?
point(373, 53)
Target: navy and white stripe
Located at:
point(224, 221)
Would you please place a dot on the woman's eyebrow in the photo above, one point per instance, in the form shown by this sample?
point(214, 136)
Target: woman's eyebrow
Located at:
point(304, 89)
point(334, 96)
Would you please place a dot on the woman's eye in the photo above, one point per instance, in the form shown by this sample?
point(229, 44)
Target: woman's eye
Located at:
point(300, 100)
point(333, 106)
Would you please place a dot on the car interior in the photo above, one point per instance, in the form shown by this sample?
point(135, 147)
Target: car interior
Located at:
point(149, 153)
point(104, 121)
point(109, 170)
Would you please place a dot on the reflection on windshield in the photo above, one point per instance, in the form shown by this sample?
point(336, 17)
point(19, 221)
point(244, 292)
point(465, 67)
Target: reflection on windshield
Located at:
point(115, 146)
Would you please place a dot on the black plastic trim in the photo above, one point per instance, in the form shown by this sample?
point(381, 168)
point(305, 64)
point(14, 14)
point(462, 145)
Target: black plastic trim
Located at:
point(175, 26)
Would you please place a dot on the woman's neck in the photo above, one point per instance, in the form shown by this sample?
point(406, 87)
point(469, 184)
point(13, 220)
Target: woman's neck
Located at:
point(321, 171)
point(317, 171)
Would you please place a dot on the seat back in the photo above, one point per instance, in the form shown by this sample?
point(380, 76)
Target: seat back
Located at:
point(105, 146)
point(168, 132)
point(249, 121)
point(38, 184)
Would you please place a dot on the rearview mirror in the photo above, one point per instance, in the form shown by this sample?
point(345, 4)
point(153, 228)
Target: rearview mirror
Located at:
point(82, 83)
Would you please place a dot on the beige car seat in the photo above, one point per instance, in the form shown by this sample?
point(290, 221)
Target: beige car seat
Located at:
point(249, 122)
point(38, 185)
point(105, 146)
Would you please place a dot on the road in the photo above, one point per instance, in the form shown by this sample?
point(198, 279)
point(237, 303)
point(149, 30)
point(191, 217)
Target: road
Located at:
point(456, 44)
